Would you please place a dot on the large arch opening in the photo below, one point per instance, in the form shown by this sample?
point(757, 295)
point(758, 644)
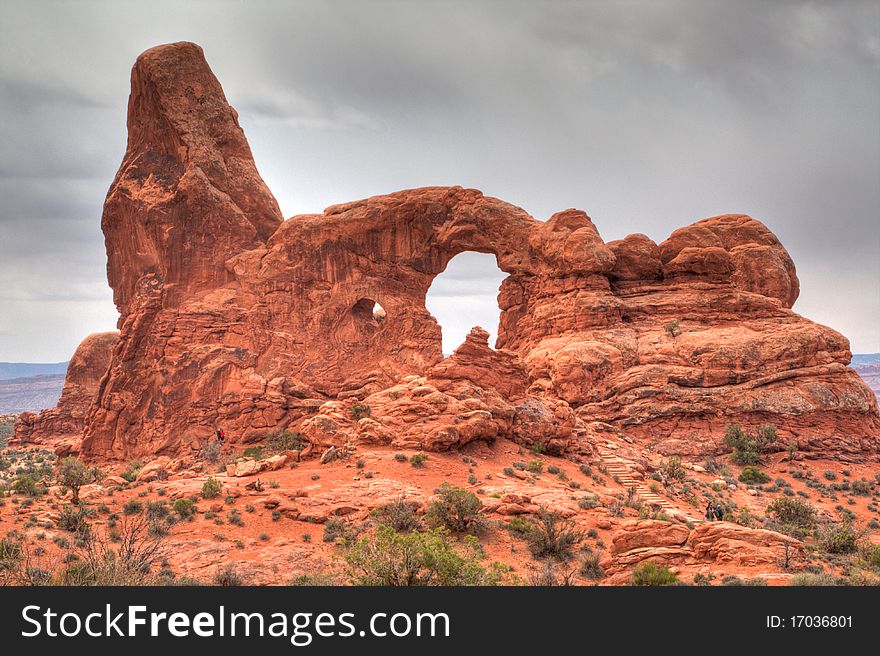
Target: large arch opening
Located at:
point(466, 295)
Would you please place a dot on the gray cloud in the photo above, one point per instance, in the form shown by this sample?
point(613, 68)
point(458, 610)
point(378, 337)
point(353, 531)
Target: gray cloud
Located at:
point(647, 115)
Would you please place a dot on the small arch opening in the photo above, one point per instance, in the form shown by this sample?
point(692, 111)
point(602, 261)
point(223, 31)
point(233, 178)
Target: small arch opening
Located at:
point(465, 295)
point(368, 311)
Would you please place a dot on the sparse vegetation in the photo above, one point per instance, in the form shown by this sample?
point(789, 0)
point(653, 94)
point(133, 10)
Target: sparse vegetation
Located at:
point(399, 515)
point(794, 516)
point(552, 536)
point(419, 558)
point(752, 475)
point(652, 574)
point(73, 474)
point(212, 488)
point(455, 509)
point(748, 447)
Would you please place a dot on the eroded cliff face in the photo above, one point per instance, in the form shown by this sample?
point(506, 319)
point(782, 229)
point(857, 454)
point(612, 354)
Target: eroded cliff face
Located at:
point(64, 424)
point(232, 318)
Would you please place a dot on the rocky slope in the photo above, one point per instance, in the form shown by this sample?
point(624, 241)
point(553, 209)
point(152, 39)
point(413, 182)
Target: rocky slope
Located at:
point(233, 318)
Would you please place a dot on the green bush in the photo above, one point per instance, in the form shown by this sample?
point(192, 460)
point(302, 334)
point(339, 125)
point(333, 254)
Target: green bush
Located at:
point(535, 466)
point(360, 410)
point(553, 537)
point(651, 574)
point(814, 580)
point(286, 441)
point(132, 507)
point(840, 538)
point(455, 509)
point(72, 475)
point(413, 559)
point(74, 519)
point(255, 452)
point(747, 448)
point(184, 507)
point(29, 485)
point(673, 470)
point(753, 475)
point(212, 489)
point(131, 471)
point(795, 516)
point(336, 530)
point(418, 460)
point(399, 515)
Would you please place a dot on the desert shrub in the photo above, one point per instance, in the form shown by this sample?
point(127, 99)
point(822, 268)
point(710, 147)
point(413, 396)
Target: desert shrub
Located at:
point(549, 573)
point(651, 574)
point(184, 507)
point(10, 554)
point(814, 579)
point(399, 515)
point(74, 519)
point(132, 507)
point(552, 536)
point(413, 559)
point(255, 452)
point(870, 554)
point(336, 530)
point(589, 566)
point(734, 580)
point(748, 447)
point(73, 474)
point(672, 328)
point(672, 469)
point(840, 538)
point(752, 475)
point(400, 457)
point(518, 526)
point(319, 579)
point(455, 509)
point(28, 485)
point(795, 516)
point(157, 509)
point(286, 441)
point(212, 489)
point(418, 460)
point(210, 452)
point(227, 576)
point(861, 487)
point(124, 555)
point(131, 471)
point(588, 503)
point(360, 410)
point(538, 447)
point(535, 466)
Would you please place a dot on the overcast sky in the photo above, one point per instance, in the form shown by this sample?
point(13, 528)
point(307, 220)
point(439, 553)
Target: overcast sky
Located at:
point(648, 116)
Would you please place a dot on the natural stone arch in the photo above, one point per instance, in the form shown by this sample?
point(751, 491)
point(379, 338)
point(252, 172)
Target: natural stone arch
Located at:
point(473, 279)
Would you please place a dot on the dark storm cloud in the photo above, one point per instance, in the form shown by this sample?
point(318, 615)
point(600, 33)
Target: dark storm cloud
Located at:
point(648, 115)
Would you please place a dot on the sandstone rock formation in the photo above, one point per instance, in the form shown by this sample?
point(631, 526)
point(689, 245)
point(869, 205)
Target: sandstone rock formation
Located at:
point(233, 318)
point(717, 543)
point(67, 419)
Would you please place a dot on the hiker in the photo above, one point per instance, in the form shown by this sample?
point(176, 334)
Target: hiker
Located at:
point(221, 436)
point(719, 513)
point(710, 512)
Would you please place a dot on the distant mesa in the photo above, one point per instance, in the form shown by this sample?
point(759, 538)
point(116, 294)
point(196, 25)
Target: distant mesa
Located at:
point(234, 317)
